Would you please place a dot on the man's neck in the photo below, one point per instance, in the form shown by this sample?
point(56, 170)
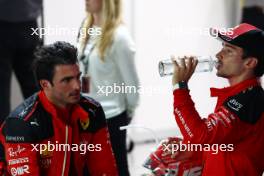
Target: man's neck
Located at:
point(56, 103)
point(236, 80)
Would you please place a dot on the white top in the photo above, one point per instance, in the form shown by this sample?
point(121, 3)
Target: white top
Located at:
point(250, 3)
point(109, 79)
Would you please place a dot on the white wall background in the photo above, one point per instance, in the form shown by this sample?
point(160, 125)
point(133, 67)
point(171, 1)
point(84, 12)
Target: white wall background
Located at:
point(160, 28)
point(165, 27)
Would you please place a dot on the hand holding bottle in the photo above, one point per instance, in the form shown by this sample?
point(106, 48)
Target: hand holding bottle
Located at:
point(183, 69)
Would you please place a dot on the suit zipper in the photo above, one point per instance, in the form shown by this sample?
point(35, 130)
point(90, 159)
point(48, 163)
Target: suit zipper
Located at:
point(65, 152)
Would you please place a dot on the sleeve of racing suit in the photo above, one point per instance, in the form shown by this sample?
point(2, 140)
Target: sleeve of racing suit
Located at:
point(101, 162)
point(215, 129)
point(21, 159)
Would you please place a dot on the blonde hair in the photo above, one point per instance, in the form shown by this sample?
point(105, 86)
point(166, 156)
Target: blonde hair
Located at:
point(111, 19)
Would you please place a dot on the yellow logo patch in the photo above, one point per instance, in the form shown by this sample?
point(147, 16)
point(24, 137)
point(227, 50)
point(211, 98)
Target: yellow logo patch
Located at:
point(85, 124)
point(46, 153)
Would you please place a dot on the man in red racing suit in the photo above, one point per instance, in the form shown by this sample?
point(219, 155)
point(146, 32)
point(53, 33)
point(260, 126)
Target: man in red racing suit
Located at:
point(238, 118)
point(58, 131)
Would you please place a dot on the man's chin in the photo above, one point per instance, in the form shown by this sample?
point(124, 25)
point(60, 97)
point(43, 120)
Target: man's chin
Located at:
point(219, 74)
point(74, 99)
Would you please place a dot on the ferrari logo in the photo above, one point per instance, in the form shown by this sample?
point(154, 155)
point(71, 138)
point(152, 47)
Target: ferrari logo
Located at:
point(85, 124)
point(46, 153)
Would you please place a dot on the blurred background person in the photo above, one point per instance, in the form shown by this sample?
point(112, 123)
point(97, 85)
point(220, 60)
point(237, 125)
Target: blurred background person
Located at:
point(107, 53)
point(17, 18)
point(252, 13)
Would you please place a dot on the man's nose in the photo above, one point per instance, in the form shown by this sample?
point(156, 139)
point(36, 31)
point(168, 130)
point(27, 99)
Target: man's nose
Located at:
point(218, 55)
point(77, 84)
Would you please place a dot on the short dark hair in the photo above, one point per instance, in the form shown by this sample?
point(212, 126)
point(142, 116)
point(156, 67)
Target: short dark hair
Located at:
point(259, 69)
point(49, 56)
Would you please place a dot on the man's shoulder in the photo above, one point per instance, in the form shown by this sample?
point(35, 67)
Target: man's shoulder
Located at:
point(25, 108)
point(29, 122)
point(252, 92)
point(89, 102)
point(96, 114)
point(248, 104)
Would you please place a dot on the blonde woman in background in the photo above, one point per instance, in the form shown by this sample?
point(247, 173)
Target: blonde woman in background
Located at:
point(107, 54)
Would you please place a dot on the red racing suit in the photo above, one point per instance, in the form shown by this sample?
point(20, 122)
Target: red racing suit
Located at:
point(238, 119)
point(40, 139)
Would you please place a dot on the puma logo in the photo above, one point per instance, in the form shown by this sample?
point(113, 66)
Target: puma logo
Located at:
point(34, 122)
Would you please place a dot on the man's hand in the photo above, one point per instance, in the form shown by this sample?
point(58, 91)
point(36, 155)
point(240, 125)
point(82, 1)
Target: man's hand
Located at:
point(183, 69)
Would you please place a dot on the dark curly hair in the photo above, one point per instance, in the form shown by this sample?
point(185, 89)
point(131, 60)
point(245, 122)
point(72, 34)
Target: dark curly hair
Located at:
point(49, 56)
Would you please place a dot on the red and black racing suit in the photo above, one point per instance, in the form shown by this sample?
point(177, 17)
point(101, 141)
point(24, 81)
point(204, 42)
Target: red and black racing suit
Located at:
point(238, 119)
point(37, 121)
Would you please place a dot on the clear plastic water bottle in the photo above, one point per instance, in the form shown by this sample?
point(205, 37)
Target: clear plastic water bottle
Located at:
point(205, 64)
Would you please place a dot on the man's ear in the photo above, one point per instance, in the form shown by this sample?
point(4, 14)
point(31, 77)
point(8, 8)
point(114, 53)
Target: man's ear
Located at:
point(45, 84)
point(251, 62)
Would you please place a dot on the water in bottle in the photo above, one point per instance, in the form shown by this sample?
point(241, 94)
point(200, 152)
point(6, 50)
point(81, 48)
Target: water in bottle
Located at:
point(205, 64)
